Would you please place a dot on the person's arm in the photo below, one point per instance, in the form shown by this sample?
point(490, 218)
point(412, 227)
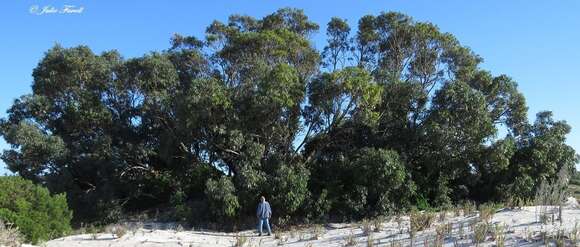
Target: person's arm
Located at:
point(269, 210)
point(258, 210)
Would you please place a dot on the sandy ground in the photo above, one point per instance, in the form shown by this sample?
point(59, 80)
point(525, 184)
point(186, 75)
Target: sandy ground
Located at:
point(522, 228)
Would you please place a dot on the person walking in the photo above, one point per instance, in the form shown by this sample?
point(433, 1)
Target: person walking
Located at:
point(264, 212)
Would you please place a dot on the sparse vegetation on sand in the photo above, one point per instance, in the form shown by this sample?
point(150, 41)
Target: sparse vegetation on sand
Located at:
point(421, 228)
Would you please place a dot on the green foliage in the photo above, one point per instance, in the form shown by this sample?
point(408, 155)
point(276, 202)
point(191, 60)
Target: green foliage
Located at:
point(182, 210)
point(37, 214)
point(222, 199)
point(254, 109)
point(422, 203)
point(319, 208)
point(390, 191)
point(289, 188)
point(391, 188)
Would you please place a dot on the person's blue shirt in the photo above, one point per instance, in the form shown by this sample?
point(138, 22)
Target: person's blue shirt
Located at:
point(264, 211)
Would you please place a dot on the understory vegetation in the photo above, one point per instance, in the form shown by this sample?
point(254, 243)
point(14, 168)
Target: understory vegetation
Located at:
point(28, 212)
point(390, 115)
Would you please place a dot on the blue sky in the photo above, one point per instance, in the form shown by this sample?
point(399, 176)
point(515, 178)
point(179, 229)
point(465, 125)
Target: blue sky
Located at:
point(534, 42)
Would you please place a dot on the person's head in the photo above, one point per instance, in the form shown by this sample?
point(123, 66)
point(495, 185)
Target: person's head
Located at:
point(262, 198)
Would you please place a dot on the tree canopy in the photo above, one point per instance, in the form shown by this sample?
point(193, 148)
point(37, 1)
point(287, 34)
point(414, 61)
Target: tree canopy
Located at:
point(388, 113)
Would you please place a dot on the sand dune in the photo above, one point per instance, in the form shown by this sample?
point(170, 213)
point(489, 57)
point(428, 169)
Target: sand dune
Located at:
point(522, 228)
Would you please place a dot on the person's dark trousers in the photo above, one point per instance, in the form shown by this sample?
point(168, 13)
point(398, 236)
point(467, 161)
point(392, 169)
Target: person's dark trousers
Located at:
point(264, 221)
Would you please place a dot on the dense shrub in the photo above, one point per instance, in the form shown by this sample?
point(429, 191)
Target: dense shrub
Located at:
point(289, 188)
point(386, 179)
point(222, 198)
point(31, 208)
point(369, 183)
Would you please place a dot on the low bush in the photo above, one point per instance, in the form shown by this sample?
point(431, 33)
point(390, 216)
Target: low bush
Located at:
point(37, 214)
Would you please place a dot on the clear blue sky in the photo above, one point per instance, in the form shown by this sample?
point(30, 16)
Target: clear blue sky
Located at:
point(535, 42)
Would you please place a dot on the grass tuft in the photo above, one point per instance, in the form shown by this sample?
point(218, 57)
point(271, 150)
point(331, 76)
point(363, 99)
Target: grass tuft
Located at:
point(366, 227)
point(378, 223)
point(421, 221)
point(119, 231)
point(318, 232)
point(370, 240)
point(350, 240)
point(468, 208)
point(480, 233)
point(499, 235)
point(9, 236)
point(241, 240)
point(486, 212)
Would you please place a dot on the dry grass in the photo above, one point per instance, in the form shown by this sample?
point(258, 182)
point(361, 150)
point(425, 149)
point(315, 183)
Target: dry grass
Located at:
point(444, 230)
point(94, 232)
point(303, 235)
point(574, 233)
point(560, 238)
point(480, 233)
point(370, 240)
point(241, 240)
point(118, 230)
point(395, 243)
point(457, 211)
point(9, 236)
point(350, 240)
point(441, 232)
point(499, 235)
point(550, 194)
point(293, 232)
point(399, 220)
point(421, 221)
point(442, 216)
point(179, 228)
point(378, 223)
point(366, 227)
point(281, 237)
point(486, 212)
point(318, 232)
point(468, 208)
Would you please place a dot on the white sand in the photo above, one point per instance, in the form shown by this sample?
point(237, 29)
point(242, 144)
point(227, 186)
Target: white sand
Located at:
point(522, 229)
